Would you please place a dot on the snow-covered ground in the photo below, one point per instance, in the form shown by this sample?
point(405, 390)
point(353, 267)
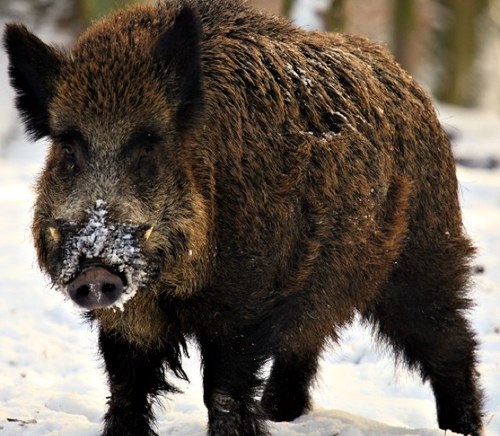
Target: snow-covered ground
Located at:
point(51, 379)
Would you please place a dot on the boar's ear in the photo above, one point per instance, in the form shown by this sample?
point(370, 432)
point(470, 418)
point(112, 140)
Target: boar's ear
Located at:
point(33, 69)
point(178, 54)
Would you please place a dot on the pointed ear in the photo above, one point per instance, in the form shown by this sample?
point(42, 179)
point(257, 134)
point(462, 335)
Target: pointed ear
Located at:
point(33, 70)
point(179, 55)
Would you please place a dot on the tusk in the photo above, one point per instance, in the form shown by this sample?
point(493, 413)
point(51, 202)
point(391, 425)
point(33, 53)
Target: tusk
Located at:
point(148, 232)
point(54, 233)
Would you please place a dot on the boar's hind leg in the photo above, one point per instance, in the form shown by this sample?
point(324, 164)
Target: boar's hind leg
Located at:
point(230, 383)
point(420, 312)
point(135, 377)
point(286, 395)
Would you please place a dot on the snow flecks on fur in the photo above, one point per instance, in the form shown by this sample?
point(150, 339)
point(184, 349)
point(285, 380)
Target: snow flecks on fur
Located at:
point(114, 244)
point(299, 74)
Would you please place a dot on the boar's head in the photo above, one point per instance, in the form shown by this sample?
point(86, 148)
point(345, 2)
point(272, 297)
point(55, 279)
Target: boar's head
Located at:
point(117, 205)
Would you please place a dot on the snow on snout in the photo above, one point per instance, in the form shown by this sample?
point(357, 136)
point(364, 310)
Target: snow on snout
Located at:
point(112, 243)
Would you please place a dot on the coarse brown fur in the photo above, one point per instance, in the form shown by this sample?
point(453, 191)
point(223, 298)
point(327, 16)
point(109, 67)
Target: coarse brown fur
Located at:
point(297, 178)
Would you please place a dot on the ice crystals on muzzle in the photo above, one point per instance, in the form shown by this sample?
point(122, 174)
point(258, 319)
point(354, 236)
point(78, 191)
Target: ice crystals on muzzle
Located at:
point(113, 244)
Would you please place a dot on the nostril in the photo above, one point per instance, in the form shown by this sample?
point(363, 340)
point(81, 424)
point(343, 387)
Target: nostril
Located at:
point(83, 291)
point(108, 288)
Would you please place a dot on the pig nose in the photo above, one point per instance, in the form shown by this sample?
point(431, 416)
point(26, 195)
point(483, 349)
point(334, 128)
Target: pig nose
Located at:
point(95, 287)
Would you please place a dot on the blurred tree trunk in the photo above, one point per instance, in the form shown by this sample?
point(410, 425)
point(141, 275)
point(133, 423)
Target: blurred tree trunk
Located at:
point(403, 38)
point(336, 16)
point(287, 7)
point(94, 9)
point(457, 47)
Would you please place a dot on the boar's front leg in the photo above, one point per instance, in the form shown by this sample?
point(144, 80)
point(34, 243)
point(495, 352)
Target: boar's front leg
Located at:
point(135, 377)
point(286, 395)
point(230, 382)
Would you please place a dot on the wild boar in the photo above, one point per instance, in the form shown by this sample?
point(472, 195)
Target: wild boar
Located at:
point(218, 174)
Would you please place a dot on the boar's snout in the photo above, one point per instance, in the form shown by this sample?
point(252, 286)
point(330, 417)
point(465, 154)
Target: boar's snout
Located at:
point(95, 287)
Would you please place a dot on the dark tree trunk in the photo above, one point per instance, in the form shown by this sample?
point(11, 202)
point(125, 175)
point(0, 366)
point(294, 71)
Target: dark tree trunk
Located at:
point(457, 39)
point(404, 24)
point(336, 16)
point(287, 7)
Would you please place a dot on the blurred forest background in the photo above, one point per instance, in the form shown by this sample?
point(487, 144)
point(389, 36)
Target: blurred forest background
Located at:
point(452, 47)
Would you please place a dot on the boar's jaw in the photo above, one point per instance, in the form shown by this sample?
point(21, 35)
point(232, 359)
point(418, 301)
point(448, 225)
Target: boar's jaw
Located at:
point(113, 246)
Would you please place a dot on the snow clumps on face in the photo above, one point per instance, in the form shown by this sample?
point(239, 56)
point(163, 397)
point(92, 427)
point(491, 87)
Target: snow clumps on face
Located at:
point(112, 244)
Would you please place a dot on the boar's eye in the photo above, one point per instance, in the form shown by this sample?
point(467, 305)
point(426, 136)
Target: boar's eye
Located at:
point(69, 159)
point(71, 146)
point(68, 152)
point(141, 149)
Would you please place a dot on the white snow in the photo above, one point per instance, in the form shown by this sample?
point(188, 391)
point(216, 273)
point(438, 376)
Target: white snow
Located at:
point(307, 13)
